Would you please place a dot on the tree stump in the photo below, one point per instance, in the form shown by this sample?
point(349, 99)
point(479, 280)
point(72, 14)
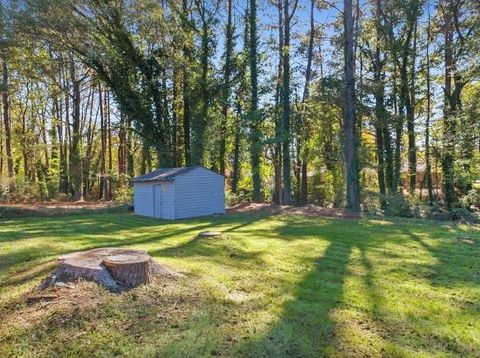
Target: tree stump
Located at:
point(130, 269)
point(114, 268)
point(210, 234)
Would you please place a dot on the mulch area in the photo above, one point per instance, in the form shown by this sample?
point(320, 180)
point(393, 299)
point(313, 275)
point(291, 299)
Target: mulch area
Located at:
point(74, 205)
point(308, 210)
point(10, 210)
point(52, 208)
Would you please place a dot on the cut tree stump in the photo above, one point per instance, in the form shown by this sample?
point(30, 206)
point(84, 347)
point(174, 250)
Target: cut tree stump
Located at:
point(210, 234)
point(130, 269)
point(114, 268)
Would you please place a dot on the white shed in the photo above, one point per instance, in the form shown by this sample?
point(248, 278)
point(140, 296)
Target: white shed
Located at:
point(179, 193)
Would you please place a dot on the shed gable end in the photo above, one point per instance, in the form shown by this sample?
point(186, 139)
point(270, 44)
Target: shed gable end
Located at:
point(199, 192)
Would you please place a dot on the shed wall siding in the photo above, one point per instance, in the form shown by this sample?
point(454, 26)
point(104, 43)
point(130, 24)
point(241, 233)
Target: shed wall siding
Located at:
point(199, 192)
point(143, 199)
point(168, 200)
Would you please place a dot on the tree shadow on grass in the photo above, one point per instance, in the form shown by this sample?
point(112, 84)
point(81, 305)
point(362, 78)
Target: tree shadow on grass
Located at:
point(306, 323)
point(312, 320)
point(32, 261)
point(221, 250)
point(455, 256)
point(39, 241)
point(320, 321)
point(28, 273)
point(398, 332)
point(51, 238)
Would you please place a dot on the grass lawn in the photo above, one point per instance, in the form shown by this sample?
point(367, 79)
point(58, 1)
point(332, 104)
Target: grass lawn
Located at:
point(274, 286)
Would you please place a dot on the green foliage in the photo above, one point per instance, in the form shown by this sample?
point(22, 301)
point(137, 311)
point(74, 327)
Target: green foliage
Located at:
point(232, 199)
point(124, 192)
point(465, 216)
point(164, 67)
point(471, 200)
point(402, 205)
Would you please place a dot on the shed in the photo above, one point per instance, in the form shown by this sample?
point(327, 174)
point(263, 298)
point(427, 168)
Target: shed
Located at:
point(179, 193)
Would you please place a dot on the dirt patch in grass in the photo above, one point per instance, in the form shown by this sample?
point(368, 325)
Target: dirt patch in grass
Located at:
point(55, 208)
point(308, 210)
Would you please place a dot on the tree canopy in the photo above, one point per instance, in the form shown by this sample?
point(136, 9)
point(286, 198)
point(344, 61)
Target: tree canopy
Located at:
point(365, 104)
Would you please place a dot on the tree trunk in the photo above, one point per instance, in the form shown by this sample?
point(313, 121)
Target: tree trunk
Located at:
point(186, 89)
point(226, 85)
point(255, 140)
point(287, 199)
point(7, 128)
point(236, 154)
point(304, 184)
point(63, 177)
point(54, 153)
point(349, 123)
point(387, 145)
point(186, 119)
point(146, 158)
point(122, 165)
point(428, 169)
point(380, 122)
point(297, 171)
point(200, 119)
point(76, 161)
point(68, 132)
point(89, 151)
point(412, 151)
point(448, 158)
point(129, 150)
point(306, 95)
point(167, 146)
point(397, 160)
point(1, 146)
point(102, 192)
point(45, 168)
point(240, 97)
point(175, 149)
point(25, 146)
point(277, 159)
point(109, 134)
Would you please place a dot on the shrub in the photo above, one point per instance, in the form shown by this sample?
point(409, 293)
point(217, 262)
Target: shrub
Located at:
point(402, 205)
point(471, 200)
point(233, 199)
point(465, 216)
point(123, 194)
point(440, 215)
point(371, 202)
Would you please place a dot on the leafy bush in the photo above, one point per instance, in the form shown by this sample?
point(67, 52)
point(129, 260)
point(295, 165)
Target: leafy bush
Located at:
point(233, 199)
point(471, 200)
point(123, 194)
point(440, 215)
point(371, 202)
point(402, 205)
point(26, 192)
point(465, 216)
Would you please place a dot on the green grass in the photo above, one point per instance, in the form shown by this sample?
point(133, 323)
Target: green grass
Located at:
point(274, 286)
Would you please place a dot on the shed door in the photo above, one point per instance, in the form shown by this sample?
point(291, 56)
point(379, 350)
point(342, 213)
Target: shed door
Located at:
point(157, 200)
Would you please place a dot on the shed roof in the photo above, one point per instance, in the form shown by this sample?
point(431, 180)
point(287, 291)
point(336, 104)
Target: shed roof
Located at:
point(163, 174)
point(168, 174)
